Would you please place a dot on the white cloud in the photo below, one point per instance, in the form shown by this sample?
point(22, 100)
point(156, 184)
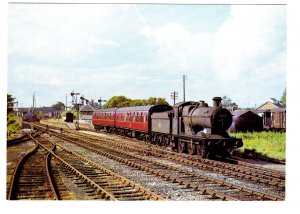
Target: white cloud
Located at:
point(37, 75)
point(178, 48)
point(106, 50)
point(45, 31)
point(249, 41)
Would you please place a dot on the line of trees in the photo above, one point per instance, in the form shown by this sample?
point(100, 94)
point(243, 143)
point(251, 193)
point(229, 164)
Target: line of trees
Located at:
point(122, 101)
point(59, 106)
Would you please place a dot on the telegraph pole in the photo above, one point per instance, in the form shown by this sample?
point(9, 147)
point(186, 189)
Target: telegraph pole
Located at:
point(184, 78)
point(33, 102)
point(174, 96)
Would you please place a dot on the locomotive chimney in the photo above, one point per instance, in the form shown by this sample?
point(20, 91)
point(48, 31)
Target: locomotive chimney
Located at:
point(201, 103)
point(216, 102)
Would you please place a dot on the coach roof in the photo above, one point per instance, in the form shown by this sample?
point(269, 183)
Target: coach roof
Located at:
point(135, 108)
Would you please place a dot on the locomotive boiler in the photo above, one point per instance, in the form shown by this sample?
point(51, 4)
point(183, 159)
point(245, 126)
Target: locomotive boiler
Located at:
point(198, 117)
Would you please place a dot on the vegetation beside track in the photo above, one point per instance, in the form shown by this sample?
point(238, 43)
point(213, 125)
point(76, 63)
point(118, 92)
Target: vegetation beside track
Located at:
point(12, 126)
point(268, 144)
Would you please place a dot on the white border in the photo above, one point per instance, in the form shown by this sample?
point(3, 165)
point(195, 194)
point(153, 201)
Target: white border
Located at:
point(292, 201)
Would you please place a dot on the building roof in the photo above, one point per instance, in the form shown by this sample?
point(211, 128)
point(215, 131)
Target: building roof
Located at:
point(26, 109)
point(269, 105)
point(87, 107)
point(243, 113)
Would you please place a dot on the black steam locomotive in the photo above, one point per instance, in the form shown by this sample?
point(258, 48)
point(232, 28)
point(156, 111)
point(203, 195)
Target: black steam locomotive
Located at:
point(187, 127)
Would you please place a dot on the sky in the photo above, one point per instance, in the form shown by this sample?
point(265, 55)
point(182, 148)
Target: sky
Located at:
point(143, 50)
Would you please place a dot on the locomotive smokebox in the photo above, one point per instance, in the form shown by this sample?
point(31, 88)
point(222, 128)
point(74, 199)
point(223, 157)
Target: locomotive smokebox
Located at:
point(217, 102)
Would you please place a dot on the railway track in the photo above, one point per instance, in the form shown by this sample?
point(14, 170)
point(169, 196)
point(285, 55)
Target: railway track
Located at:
point(33, 183)
point(197, 182)
point(112, 184)
point(15, 152)
point(239, 170)
point(50, 172)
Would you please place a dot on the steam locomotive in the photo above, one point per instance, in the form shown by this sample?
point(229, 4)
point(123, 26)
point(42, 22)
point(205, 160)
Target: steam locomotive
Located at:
point(187, 127)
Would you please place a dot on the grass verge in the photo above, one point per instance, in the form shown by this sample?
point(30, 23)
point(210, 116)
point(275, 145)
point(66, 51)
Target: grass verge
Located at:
point(12, 126)
point(269, 144)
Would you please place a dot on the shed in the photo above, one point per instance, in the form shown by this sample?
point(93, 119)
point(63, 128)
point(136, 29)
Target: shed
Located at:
point(273, 113)
point(86, 112)
point(246, 121)
point(41, 112)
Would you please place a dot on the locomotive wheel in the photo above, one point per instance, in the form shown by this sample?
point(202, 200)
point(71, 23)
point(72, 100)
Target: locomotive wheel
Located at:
point(201, 151)
point(181, 147)
point(190, 149)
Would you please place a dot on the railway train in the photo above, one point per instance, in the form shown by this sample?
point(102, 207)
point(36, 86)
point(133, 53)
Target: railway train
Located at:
point(187, 127)
point(31, 117)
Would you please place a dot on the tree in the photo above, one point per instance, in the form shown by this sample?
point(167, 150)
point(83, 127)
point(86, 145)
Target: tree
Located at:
point(116, 101)
point(283, 97)
point(152, 100)
point(226, 102)
point(122, 101)
point(10, 103)
point(59, 106)
point(162, 101)
point(12, 123)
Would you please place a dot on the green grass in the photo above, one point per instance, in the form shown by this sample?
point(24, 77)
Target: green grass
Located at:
point(269, 144)
point(12, 125)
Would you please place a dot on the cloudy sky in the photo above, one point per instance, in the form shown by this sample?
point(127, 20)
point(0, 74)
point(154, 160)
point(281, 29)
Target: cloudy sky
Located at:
point(141, 51)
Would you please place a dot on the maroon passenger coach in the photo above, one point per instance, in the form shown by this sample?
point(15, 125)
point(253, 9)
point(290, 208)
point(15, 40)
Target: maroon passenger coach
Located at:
point(131, 121)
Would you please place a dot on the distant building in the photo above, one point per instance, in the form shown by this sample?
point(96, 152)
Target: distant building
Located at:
point(41, 112)
point(273, 113)
point(86, 113)
point(246, 121)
